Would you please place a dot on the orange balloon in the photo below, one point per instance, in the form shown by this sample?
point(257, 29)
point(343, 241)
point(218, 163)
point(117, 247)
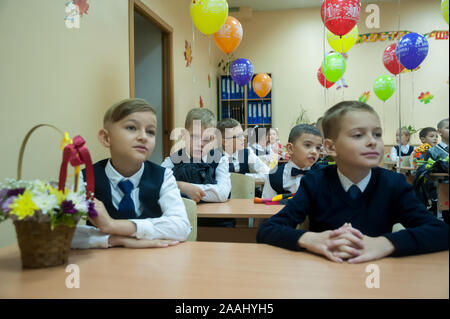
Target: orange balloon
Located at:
point(262, 84)
point(229, 36)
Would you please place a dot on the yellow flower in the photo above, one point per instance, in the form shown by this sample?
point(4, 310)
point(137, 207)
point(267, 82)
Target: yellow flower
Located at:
point(60, 196)
point(23, 205)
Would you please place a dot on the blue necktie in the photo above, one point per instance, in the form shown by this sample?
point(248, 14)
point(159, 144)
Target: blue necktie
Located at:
point(296, 171)
point(126, 205)
point(354, 191)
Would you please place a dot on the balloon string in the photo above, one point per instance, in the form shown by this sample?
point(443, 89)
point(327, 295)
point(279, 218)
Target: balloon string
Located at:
point(324, 71)
point(192, 53)
point(228, 81)
point(413, 97)
point(342, 78)
point(399, 96)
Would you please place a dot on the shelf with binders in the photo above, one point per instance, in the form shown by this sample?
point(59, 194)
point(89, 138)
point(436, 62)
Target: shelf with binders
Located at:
point(235, 102)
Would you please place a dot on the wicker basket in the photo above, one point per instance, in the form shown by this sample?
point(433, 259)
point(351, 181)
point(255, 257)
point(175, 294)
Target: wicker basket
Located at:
point(42, 247)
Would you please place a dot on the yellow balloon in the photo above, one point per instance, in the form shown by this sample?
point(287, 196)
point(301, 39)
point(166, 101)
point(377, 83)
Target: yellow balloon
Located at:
point(345, 43)
point(209, 15)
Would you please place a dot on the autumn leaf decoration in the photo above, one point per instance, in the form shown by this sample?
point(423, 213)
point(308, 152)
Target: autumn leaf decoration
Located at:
point(188, 53)
point(82, 6)
point(425, 97)
point(201, 101)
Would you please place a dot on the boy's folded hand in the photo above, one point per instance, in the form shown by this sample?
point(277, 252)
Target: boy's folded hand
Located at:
point(194, 192)
point(103, 221)
point(129, 242)
point(346, 242)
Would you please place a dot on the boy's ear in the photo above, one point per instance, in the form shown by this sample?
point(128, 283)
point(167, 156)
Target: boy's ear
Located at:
point(290, 148)
point(103, 137)
point(330, 147)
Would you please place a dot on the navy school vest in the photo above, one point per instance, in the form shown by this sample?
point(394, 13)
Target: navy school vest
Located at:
point(276, 178)
point(410, 150)
point(243, 162)
point(185, 170)
point(149, 188)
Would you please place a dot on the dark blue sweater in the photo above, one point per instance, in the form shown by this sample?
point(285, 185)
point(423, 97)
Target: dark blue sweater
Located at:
point(387, 199)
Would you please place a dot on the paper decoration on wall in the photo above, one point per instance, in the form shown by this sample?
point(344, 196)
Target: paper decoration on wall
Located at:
point(396, 35)
point(188, 53)
point(72, 19)
point(425, 97)
point(82, 6)
point(201, 101)
point(364, 97)
point(209, 80)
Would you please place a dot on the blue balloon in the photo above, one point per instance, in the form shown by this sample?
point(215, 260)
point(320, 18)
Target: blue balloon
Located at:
point(241, 71)
point(411, 50)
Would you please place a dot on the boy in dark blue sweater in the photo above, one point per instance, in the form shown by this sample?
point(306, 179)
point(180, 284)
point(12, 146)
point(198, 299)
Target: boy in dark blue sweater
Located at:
point(353, 205)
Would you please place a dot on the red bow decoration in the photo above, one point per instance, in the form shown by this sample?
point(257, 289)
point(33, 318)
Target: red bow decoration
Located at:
point(77, 154)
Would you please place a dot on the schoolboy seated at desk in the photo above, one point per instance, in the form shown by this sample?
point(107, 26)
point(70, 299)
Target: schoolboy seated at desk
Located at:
point(241, 159)
point(138, 202)
point(353, 205)
point(202, 172)
point(440, 151)
point(304, 145)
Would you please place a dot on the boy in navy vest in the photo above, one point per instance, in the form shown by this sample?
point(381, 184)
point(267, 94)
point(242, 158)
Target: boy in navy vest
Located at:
point(440, 151)
point(241, 159)
point(200, 170)
point(138, 202)
point(353, 205)
point(304, 145)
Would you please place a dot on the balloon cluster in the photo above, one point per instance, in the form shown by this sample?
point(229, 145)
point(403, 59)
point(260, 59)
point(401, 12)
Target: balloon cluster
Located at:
point(211, 17)
point(340, 18)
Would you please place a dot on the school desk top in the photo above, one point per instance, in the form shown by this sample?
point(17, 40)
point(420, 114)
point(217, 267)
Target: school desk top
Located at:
point(223, 270)
point(237, 208)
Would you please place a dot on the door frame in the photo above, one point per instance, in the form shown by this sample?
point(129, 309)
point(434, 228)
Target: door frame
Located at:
point(167, 71)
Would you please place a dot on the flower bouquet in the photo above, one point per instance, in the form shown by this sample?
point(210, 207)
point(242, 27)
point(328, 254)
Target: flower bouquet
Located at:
point(419, 154)
point(45, 213)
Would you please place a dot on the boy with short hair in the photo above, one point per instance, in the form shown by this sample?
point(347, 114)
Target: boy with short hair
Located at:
point(353, 205)
point(138, 202)
point(201, 171)
point(440, 151)
point(429, 135)
point(241, 159)
point(304, 145)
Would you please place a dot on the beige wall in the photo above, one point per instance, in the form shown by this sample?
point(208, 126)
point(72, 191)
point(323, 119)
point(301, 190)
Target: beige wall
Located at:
point(69, 77)
point(290, 45)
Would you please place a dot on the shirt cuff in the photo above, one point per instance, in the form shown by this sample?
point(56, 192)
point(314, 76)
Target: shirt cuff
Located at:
point(101, 241)
point(144, 229)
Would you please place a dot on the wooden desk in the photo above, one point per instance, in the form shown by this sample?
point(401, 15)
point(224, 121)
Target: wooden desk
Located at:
point(244, 210)
point(222, 270)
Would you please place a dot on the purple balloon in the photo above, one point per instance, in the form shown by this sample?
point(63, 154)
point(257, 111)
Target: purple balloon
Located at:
point(241, 71)
point(411, 50)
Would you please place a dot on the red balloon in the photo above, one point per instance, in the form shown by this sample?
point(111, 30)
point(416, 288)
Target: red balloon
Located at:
point(340, 16)
point(321, 78)
point(390, 60)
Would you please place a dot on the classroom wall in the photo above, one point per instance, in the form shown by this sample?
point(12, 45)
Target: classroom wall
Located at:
point(290, 45)
point(69, 77)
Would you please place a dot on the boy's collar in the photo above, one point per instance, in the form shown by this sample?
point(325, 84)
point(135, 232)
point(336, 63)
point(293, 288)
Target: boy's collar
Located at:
point(115, 177)
point(347, 183)
point(292, 164)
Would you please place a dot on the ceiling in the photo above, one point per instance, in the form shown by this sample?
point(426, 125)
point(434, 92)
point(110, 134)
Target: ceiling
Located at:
point(267, 5)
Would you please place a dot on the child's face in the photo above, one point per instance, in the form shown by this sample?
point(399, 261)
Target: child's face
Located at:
point(443, 132)
point(233, 140)
point(432, 138)
point(304, 152)
point(405, 138)
point(273, 136)
point(132, 139)
point(359, 143)
point(201, 141)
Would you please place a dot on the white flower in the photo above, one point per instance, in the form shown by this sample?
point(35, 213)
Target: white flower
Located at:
point(45, 202)
point(78, 200)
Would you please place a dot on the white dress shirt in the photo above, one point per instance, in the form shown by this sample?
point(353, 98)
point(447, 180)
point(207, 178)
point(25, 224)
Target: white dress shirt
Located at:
point(173, 223)
point(403, 149)
point(346, 183)
point(290, 183)
point(214, 192)
point(256, 167)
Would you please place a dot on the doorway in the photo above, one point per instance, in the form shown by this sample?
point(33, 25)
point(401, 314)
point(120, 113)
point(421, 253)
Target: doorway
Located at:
point(151, 71)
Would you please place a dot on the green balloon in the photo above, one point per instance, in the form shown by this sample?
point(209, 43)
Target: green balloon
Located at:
point(384, 86)
point(333, 67)
point(444, 9)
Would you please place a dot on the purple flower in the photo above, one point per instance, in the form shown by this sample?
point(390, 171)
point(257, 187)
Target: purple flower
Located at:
point(3, 192)
point(92, 213)
point(5, 204)
point(68, 207)
point(15, 192)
